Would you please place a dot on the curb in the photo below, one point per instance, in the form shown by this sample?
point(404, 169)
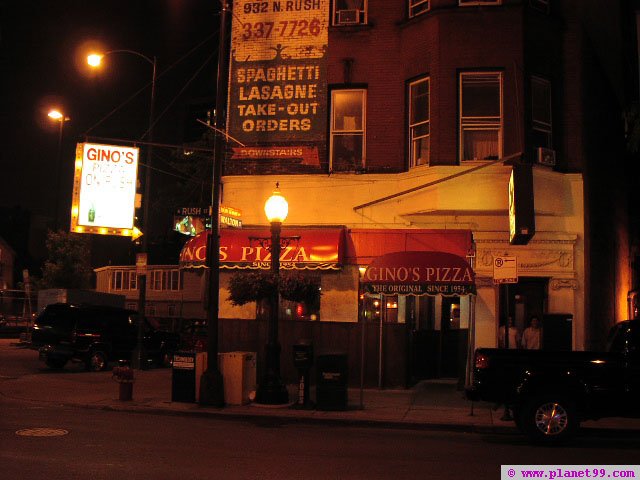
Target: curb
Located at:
point(271, 418)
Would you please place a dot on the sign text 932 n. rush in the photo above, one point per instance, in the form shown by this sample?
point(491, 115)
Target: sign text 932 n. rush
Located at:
point(278, 80)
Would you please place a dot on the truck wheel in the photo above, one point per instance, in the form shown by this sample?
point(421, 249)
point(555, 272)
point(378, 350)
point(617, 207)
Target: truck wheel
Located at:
point(548, 419)
point(97, 361)
point(55, 363)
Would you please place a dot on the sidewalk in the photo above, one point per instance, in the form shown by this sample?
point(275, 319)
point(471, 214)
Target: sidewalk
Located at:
point(435, 405)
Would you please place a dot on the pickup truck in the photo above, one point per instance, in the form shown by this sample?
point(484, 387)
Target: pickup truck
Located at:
point(551, 392)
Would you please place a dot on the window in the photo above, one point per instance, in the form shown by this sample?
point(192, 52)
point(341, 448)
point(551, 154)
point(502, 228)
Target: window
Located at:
point(348, 121)
point(172, 310)
point(480, 116)
point(165, 280)
point(419, 122)
point(350, 12)
point(541, 112)
point(463, 3)
point(124, 280)
point(416, 7)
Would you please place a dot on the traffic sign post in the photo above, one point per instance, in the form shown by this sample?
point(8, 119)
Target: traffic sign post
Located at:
point(230, 216)
point(141, 263)
point(505, 269)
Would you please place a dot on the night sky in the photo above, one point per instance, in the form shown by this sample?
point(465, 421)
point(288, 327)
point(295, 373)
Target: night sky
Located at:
point(43, 46)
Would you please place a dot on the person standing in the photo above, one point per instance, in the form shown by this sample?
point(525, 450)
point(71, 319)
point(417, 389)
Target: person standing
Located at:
point(532, 335)
point(514, 341)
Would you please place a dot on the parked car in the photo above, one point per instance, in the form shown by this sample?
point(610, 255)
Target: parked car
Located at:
point(550, 393)
point(96, 335)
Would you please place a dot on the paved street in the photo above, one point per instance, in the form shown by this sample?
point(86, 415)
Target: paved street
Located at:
point(95, 439)
point(114, 445)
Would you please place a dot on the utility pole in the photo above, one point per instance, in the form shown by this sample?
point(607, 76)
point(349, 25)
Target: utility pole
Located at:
point(211, 384)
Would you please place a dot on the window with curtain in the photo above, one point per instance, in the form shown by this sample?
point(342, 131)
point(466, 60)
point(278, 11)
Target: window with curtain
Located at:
point(480, 115)
point(419, 127)
point(348, 120)
point(541, 112)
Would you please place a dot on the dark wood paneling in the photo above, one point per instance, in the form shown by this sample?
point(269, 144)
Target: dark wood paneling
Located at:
point(251, 335)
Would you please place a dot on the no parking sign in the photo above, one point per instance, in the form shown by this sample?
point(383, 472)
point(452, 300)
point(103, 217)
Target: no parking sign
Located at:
point(505, 269)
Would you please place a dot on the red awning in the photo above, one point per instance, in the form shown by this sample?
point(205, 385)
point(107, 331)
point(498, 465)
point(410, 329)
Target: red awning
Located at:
point(364, 245)
point(419, 273)
point(309, 249)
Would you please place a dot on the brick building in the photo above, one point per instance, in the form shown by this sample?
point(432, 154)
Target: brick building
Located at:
point(397, 127)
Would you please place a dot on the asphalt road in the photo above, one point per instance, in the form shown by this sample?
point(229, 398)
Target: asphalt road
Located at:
point(99, 444)
point(121, 445)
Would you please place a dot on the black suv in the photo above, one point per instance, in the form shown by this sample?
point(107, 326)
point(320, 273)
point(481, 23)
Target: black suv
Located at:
point(96, 335)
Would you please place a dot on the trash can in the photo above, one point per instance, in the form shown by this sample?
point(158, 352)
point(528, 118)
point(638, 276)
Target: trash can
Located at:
point(239, 376)
point(331, 381)
point(187, 369)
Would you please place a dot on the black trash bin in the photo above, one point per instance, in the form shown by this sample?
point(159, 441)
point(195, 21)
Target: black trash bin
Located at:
point(331, 381)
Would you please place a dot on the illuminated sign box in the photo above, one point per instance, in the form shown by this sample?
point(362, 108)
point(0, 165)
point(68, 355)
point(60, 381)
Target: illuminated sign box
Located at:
point(104, 189)
point(522, 218)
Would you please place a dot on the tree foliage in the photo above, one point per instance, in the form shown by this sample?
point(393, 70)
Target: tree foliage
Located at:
point(69, 261)
point(245, 287)
point(250, 287)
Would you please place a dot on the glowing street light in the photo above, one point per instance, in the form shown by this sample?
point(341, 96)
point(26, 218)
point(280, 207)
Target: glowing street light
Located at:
point(271, 390)
point(58, 116)
point(94, 59)
point(55, 114)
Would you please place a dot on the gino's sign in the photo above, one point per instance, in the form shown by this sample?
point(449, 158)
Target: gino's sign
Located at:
point(104, 189)
point(419, 273)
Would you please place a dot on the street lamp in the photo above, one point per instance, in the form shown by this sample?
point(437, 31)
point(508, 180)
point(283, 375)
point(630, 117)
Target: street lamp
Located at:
point(94, 60)
point(271, 390)
point(57, 116)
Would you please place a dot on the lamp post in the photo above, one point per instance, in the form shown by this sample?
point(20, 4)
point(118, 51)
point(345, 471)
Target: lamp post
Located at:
point(271, 390)
point(94, 60)
point(60, 117)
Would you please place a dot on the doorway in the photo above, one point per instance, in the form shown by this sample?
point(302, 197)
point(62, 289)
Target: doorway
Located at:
point(523, 300)
point(437, 339)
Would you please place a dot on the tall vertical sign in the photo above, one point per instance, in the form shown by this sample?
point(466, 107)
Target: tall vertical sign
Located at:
point(278, 80)
point(522, 217)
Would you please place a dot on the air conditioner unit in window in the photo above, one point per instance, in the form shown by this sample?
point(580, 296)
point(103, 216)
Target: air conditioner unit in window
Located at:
point(348, 17)
point(546, 157)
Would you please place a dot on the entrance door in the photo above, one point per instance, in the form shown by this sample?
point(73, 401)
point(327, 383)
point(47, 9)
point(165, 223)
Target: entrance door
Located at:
point(453, 351)
point(437, 340)
point(423, 339)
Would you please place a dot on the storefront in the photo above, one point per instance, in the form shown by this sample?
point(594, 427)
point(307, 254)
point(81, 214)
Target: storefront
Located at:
point(409, 289)
point(431, 294)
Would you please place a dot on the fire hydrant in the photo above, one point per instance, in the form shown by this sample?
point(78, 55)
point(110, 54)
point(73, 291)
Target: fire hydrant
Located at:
point(123, 374)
